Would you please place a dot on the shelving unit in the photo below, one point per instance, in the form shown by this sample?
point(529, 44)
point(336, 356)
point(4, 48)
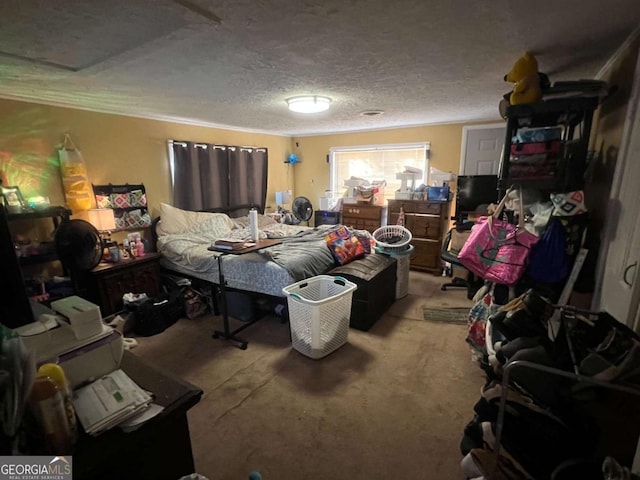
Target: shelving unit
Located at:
point(57, 214)
point(128, 202)
point(21, 263)
point(575, 116)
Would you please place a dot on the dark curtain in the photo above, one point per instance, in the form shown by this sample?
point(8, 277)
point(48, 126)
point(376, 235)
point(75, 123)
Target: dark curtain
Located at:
point(248, 175)
point(219, 177)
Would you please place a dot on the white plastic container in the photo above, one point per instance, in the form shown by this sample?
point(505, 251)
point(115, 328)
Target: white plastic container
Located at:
point(319, 314)
point(403, 265)
point(253, 225)
point(399, 195)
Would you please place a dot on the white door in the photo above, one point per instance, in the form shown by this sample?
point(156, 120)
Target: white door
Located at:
point(481, 149)
point(620, 292)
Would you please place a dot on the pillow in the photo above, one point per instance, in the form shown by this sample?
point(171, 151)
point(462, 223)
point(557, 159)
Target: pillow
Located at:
point(364, 237)
point(176, 220)
point(215, 225)
point(344, 246)
point(264, 221)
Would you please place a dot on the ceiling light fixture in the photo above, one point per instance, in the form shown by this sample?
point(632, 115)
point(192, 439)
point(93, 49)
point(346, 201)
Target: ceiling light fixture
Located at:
point(308, 104)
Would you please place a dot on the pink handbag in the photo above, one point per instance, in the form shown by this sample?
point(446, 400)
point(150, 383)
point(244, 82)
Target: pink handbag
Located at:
point(497, 250)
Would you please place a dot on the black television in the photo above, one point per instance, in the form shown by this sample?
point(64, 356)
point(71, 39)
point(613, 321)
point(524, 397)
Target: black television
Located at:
point(473, 191)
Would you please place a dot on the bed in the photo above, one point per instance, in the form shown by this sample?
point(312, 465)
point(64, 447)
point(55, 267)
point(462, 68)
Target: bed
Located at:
point(183, 239)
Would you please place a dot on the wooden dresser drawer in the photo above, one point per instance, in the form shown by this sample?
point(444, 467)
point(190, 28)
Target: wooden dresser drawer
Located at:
point(416, 206)
point(426, 255)
point(432, 208)
point(359, 224)
point(362, 217)
point(424, 226)
point(371, 212)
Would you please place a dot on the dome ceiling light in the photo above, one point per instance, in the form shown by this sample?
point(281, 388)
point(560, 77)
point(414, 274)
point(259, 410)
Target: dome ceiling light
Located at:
point(308, 103)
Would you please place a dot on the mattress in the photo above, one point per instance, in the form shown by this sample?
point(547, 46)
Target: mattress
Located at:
point(251, 272)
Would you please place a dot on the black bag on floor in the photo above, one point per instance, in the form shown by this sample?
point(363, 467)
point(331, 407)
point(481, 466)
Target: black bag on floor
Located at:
point(155, 315)
point(195, 303)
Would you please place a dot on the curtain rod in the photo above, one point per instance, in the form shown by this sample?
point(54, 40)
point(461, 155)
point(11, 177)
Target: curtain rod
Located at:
point(184, 143)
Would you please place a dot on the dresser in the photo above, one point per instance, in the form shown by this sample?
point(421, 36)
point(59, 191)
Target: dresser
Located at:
point(362, 216)
point(427, 221)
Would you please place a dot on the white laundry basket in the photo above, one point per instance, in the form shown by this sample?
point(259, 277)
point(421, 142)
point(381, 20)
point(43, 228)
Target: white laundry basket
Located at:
point(319, 314)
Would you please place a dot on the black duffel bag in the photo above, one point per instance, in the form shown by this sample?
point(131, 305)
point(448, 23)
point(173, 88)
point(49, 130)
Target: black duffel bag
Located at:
point(155, 315)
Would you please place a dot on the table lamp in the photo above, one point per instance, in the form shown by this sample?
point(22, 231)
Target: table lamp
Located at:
point(104, 221)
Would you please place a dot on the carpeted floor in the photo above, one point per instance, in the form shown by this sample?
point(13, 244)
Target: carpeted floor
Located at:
point(390, 404)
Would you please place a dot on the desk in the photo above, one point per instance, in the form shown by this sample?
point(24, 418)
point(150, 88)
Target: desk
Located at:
point(159, 449)
point(227, 334)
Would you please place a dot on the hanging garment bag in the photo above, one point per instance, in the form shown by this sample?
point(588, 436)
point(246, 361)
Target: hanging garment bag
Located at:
point(77, 189)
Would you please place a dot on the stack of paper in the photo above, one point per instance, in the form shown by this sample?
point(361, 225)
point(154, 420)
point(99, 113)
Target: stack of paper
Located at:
point(109, 401)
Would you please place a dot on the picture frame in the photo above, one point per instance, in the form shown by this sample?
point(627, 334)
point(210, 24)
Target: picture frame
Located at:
point(13, 199)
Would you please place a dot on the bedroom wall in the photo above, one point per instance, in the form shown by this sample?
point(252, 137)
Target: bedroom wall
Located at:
point(117, 149)
point(120, 149)
point(312, 174)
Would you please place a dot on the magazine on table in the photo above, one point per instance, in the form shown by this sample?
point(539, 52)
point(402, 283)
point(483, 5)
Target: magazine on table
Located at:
point(109, 401)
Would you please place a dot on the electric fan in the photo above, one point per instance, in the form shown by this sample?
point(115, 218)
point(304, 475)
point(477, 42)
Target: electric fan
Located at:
point(78, 245)
point(302, 209)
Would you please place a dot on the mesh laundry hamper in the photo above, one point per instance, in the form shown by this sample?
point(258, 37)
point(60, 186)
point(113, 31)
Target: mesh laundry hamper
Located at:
point(319, 314)
point(392, 238)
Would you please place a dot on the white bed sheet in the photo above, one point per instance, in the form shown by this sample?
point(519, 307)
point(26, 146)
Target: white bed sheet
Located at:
point(251, 272)
point(187, 253)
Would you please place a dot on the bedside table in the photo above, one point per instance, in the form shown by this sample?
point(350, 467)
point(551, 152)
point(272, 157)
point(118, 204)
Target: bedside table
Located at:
point(108, 282)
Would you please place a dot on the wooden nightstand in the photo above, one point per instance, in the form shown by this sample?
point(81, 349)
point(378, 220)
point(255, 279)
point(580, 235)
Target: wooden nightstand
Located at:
point(108, 282)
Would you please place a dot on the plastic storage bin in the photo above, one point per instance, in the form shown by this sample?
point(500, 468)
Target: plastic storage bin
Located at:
point(319, 314)
point(403, 258)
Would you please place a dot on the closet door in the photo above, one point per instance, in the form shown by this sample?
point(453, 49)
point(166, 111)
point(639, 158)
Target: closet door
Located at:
point(481, 149)
point(620, 293)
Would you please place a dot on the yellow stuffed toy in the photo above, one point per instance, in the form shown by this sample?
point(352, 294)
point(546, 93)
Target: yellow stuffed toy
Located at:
point(524, 76)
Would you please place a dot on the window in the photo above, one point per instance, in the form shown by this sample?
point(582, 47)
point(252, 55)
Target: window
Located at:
point(377, 162)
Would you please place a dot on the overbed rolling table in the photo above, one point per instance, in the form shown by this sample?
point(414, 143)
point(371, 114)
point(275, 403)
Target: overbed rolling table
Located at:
point(226, 333)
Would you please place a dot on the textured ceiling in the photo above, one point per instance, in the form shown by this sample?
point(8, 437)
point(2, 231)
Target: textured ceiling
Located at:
point(421, 62)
